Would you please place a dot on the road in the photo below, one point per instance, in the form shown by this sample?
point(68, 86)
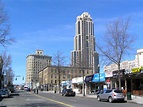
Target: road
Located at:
point(29, 99)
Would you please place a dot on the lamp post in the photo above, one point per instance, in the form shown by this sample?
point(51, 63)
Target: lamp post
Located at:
point(99, 76)
point(83, 82)
point(69, 82)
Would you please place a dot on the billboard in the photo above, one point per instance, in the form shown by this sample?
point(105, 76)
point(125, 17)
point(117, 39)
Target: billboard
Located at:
point(97, 79)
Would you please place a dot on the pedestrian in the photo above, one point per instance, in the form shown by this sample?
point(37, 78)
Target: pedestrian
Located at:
point(34, 90)
point(37, 90)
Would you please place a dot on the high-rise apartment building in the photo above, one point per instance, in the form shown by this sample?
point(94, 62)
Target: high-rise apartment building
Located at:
point(35, 63)
point(84, 54)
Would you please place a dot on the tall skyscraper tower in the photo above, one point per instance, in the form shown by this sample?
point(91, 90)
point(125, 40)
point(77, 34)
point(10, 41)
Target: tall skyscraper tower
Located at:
point(84, 54)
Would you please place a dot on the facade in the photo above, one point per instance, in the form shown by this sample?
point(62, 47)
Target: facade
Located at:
point(131, 73)
point(139, 58)
point(84, 54)
point(35, 63)
point(128, 65)
point(92, 83)
point(49, 77)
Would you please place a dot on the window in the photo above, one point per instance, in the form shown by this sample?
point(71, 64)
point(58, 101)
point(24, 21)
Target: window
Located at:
point(108, 91)
point(86, 43)
point(86, 37)
point(78, 27)
point(118, 91)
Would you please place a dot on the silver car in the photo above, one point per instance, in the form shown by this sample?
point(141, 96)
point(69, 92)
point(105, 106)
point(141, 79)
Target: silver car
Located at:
point(111, 95)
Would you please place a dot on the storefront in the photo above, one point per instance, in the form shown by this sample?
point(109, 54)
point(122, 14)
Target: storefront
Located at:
point(115, 80)
point(88, 83)
point(77, 84)
point(131, 80)
point(98, 81)
point(136, 79)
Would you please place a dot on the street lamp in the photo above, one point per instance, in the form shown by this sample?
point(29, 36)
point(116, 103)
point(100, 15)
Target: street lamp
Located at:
point(99, 76)
point(83, 85)
point(69, 82)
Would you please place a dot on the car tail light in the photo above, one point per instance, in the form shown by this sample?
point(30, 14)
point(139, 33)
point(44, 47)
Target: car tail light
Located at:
point(114, 94)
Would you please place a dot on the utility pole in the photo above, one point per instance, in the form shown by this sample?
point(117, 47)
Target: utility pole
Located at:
point(99, 76)
point(83, 82)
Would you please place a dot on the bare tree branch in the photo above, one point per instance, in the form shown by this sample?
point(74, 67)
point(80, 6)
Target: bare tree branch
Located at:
point(6, 68)
point(4, 28)
point(59, 61)
point(117, 42)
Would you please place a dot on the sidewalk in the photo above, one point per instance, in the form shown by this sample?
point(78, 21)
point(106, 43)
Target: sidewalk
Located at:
point(135, 99)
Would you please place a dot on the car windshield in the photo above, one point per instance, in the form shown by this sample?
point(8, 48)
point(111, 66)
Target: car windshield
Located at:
point(69, 90)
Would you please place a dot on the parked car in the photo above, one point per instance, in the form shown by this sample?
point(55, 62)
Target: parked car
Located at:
point(11, 88)
point(111, 95)
point(68, 92)
point(26, 88)
point(5, 92)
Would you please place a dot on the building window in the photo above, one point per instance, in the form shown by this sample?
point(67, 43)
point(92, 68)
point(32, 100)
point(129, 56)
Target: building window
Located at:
point(86, 37)
point(86, 43)
point(78, 27)
point(87, 72)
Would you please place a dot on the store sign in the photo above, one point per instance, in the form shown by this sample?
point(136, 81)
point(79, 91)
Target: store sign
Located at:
point(137, 70)
point(127, 71)
point(108, 74)
point(78, 80)
point(115, 73)
point(108, 81)
point(88, 78)
point(98, 77)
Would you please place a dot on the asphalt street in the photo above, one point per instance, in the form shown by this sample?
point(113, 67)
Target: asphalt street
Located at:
point(29, 99)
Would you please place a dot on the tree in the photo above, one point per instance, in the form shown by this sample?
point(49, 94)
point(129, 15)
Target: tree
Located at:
point(117, 42)
point(80, 64)
point(4, 27)
point(59, 60)
point(6, 69)
point(4, 32)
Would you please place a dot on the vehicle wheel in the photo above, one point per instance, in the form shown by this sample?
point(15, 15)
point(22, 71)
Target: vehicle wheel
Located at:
point(110, 99)
point(98, 98)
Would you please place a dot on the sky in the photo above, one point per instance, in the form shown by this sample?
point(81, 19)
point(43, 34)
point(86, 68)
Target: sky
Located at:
point(50, 25)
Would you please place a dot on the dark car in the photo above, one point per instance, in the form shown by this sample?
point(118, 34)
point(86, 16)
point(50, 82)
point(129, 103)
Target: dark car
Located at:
point(68, 92)
point(5, 92)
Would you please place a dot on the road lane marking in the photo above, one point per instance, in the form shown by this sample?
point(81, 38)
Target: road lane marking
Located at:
point(27, 99)
point(54, 101)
